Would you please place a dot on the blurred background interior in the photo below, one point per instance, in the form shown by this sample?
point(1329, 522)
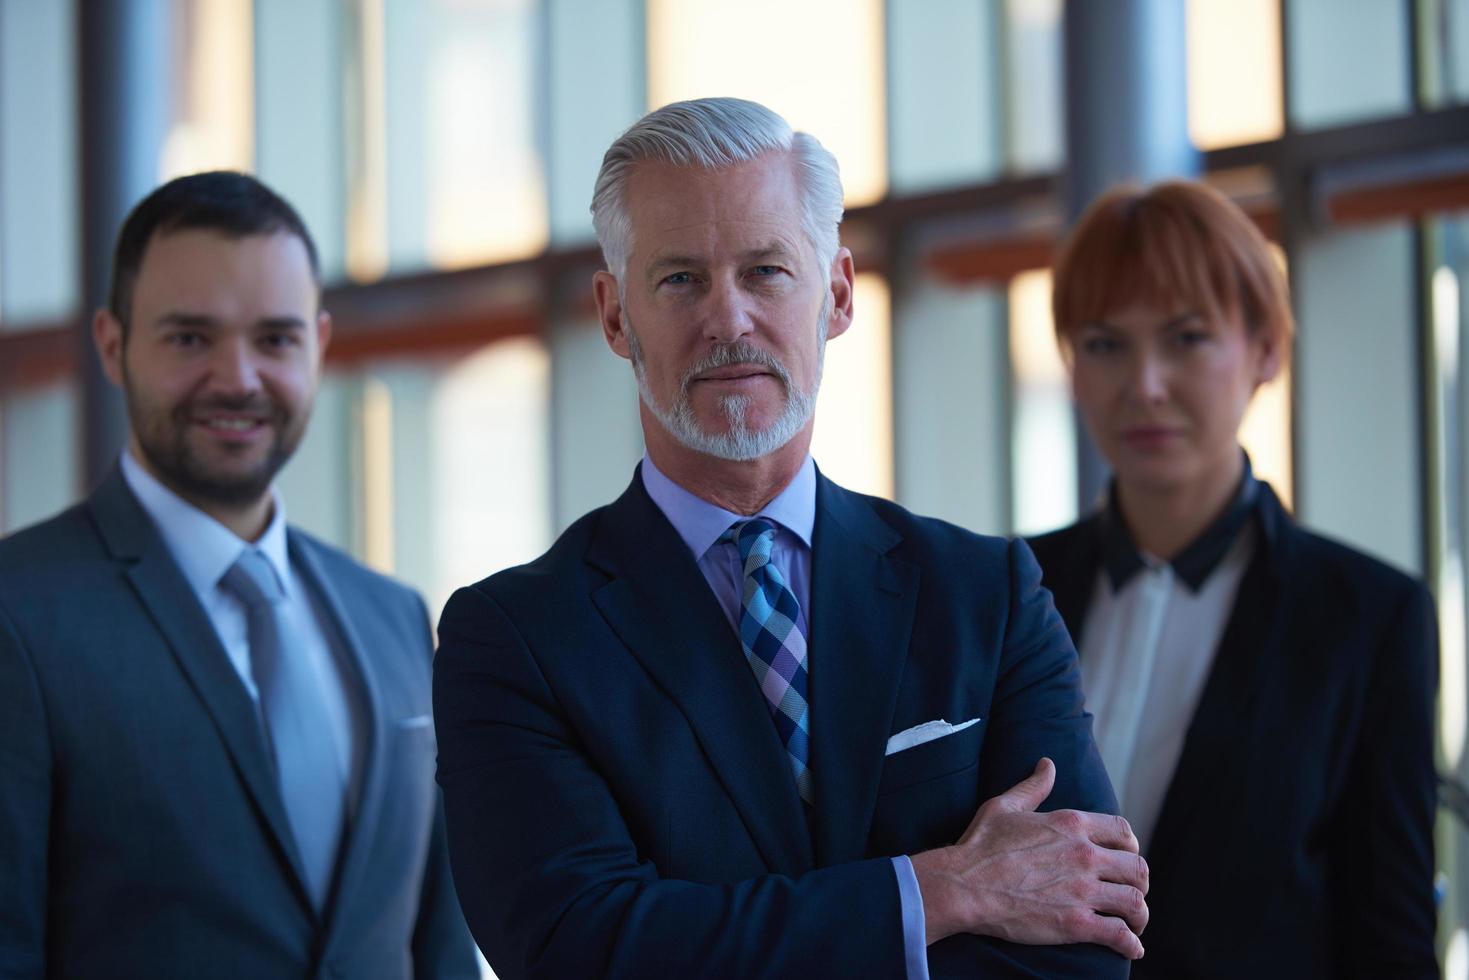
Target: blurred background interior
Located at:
point(443, 151)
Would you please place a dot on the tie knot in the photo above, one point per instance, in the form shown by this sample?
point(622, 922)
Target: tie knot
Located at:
point(252, 580)
point(756, 535)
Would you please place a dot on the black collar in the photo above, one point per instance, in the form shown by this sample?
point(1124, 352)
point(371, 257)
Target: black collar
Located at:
point(1194, 564)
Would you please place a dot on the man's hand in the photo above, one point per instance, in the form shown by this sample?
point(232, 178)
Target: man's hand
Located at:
point(1037, 878)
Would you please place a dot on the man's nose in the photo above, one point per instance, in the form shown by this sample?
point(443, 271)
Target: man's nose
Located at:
point(233, 368)
point(727, 312)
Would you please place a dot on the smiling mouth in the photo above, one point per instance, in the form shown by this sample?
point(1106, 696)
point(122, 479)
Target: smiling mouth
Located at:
point(230, 424)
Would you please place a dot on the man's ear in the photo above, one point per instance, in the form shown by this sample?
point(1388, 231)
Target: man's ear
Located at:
point(843, 278)
point(609, 313)
point(323, 334)
point(107, 335)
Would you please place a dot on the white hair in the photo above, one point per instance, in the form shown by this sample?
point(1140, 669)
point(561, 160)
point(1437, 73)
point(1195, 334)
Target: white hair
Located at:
point(714, 133)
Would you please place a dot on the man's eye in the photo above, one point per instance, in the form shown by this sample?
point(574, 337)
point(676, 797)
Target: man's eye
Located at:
point(765, 270)
point(278, 341)
point(184, 338)
point(678, 279)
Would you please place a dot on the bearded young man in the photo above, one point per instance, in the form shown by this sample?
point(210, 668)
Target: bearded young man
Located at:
point(742, 722)
point(215, 744)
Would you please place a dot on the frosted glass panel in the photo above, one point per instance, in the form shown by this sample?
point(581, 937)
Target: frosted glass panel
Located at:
point(1348, 60)
point(817, 62)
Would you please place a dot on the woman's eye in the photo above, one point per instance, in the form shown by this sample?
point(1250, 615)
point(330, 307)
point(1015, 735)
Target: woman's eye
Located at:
point(1099, 345)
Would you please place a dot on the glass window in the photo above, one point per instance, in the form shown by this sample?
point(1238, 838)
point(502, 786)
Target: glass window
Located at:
point(950, 379)
point(1358, 460)
point(819, 63)
point(39, 179)
point(464, 169)
point(1234, 93)
point(1447, 254)
point(1347, 59)
point(1443, 46)
point(943, 80)
point(1043, 434)
point(489, 481)
point(213, 124)
point(299, 135)
point(596, 432)
point(1034, 101)
point(595, 92)
point(853, 441)
point(40, 465)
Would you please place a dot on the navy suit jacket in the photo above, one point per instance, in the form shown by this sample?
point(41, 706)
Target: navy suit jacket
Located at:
point(141, 831)
point(617, 797)
point(1296, 836)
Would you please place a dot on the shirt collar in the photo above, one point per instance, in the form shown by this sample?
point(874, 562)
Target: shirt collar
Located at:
point(204, 548)
point(700, 523)
point(1194, 564)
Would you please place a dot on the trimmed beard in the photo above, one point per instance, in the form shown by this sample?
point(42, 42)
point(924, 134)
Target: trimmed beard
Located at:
point(739, 443)
point(163, 438)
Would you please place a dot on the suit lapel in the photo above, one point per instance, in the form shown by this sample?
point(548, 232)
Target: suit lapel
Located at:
point(132, 538)
point(862, 607)
point(661, 608)
point(1251, 643)
point(362, 823)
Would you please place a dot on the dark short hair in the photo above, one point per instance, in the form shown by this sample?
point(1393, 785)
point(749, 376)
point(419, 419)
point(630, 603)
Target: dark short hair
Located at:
point(225, 201)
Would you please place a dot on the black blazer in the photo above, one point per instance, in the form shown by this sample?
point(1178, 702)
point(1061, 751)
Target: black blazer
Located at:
point(1295, 839)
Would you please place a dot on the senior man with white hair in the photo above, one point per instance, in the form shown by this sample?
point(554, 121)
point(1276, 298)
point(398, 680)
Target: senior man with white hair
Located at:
point(741, 721)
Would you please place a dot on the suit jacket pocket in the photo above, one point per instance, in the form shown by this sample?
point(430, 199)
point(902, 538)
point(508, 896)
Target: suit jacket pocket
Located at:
point(927, 794)
point(932, 759)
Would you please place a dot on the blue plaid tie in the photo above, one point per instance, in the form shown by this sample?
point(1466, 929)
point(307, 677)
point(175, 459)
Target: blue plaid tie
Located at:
point(774, 645)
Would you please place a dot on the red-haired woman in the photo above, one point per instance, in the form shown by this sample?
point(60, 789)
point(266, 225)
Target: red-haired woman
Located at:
point(1263, 697)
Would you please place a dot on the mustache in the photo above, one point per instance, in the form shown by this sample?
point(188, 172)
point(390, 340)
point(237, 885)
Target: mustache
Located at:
point(736, 352)
point(259, 404)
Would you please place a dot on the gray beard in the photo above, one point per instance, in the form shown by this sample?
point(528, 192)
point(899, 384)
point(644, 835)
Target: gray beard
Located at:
point(739, 443)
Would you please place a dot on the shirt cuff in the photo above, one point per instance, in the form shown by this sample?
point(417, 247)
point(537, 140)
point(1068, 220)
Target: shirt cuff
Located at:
point(910, 900)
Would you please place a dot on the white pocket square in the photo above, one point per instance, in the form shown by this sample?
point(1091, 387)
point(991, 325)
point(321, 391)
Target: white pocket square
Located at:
point(415, 721)
point(926, 732)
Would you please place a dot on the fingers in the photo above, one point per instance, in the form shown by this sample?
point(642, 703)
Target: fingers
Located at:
point(1124, 902)
point(1109, 931)
point(1103, 829)
point(1031, 791)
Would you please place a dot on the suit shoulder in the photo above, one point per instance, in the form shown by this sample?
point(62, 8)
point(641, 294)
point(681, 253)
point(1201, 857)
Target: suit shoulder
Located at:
point(1338, 565)
point(936, 539)
point(65, 538)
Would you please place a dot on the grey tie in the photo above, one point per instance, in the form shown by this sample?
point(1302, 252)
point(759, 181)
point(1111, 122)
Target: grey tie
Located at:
point(311, 782)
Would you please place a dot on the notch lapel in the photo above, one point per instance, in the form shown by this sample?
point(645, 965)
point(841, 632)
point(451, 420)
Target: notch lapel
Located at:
point(131, 537)
point(862, 607)
point(660, 606)
point(361, 828)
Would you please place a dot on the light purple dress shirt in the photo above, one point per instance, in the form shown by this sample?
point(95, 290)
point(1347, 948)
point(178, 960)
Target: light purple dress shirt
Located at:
point(793, 510)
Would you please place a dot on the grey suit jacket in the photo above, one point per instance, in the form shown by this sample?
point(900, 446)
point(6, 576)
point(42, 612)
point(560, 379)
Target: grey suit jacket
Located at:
point(141, 832)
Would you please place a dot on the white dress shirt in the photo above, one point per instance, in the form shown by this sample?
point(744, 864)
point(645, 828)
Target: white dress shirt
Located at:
point(204, 551)
point(1147, 646)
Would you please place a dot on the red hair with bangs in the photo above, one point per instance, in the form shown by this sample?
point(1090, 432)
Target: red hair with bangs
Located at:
point(1179, 246)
